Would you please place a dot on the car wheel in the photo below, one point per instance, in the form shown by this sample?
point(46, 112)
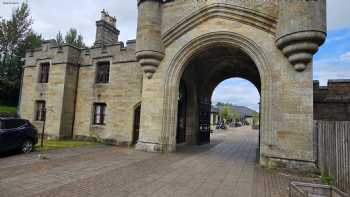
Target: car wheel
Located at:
point(27, 146)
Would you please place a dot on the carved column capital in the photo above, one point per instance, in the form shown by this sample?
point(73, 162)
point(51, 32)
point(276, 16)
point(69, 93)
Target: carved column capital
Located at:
point(149, 46)
point(301, 30)
point(300, 47)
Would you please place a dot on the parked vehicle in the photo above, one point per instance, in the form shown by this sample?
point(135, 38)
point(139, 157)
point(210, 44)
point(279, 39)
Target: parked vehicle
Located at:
point(238, 124)
point(17, 134)
point(221, 126)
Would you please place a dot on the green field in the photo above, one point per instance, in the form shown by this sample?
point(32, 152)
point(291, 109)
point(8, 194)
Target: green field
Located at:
point(58, 144)
point(8, 109)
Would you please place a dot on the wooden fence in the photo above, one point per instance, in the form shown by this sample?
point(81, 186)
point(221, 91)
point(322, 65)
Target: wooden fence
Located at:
point(333, 151)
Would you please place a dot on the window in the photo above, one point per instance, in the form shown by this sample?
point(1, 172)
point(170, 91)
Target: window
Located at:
point(99, 113)
point(102, 72)
point(44, 73)
point(40, 112)
point(12, 123)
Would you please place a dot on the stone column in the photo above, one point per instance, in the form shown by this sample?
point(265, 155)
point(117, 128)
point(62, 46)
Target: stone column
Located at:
point(301, 30)
point(149, 47)
point(149, 53)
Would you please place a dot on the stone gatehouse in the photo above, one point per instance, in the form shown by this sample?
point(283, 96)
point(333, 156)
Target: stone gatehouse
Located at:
point(156, 91)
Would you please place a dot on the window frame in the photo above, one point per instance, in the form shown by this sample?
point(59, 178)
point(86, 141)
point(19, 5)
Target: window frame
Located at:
point(102, 72)
point(40, 110)
point(99, 114)
point(44, 72)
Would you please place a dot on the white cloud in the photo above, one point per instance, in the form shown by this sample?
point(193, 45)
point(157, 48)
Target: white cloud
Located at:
point(345, 56)
point(53, 16)
point(338, 14)
point(237, 92)
point(332, 68)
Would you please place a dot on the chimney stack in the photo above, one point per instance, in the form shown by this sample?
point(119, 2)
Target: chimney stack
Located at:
point(106, 30)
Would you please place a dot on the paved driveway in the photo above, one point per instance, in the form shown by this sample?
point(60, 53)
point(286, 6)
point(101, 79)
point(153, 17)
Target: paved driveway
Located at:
point(227, 167)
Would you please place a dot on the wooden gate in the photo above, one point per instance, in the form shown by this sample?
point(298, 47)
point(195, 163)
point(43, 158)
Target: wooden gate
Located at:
point(136, 130)
point(181, 114)
point(333, 151)
point(204, 121)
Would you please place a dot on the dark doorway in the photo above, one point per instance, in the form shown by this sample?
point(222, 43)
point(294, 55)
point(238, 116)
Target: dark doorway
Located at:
point(136, 130)
point(204, 121)
point(181, 116)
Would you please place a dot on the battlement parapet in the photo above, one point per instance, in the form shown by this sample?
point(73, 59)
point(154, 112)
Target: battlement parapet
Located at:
point(49, 51)
point(336, 91)
point(116, 53)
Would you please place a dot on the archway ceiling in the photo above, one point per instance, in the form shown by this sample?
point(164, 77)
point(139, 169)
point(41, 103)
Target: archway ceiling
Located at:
point(216, 64)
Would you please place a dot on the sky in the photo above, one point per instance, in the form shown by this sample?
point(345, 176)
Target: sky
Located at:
point(331, 62)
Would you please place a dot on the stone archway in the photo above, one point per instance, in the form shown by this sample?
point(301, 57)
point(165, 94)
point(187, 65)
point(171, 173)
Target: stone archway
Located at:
point(281, 44)
point(182, 59)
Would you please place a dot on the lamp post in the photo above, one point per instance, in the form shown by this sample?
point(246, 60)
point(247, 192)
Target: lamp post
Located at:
point(43, 129)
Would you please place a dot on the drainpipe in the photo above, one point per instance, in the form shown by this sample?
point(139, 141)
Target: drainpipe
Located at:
point(20, 89)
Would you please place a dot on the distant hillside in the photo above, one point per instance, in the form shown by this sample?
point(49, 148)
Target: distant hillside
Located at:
point(242, 110)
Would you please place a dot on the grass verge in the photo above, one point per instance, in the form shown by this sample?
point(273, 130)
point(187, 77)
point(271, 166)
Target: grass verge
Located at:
point(8, 109)
point(59, 144)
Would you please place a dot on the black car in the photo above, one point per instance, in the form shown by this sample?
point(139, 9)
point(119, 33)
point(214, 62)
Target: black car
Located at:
point(17, 134)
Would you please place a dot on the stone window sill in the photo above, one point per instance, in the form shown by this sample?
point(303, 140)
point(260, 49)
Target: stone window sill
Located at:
point(38, 121)
point(98, 126)
point(101, 84)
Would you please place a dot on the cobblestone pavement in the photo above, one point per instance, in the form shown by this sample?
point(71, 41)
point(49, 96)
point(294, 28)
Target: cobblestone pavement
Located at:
point(227, 167)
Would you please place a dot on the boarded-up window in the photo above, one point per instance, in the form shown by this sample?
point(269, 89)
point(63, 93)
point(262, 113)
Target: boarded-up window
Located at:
point(99, 113)
point(102, 72)
point(40, 111)
point(44, 73)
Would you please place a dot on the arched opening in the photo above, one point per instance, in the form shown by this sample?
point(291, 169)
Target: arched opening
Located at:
point(239, 101)
point(180, 68)
point(204, 71)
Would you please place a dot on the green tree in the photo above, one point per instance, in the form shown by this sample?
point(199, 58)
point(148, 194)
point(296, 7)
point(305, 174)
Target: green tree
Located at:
point(72, 38)
point(256, 118)
point(235, 114)
point(59, 39)
point(226, 113)
point(16, 37)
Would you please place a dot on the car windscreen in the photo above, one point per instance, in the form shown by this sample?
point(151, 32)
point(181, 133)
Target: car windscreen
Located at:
point(12, 124)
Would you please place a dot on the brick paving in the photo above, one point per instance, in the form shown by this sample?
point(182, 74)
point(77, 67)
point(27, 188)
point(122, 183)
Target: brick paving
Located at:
point(227, 167)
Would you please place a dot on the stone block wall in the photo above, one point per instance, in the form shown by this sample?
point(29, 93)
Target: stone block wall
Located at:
point(332, 102)
point(121, 94)
point(53, 92)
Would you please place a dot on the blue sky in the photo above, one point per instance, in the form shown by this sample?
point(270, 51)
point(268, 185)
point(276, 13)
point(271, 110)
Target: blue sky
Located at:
point(331, 62)
point(333, 59)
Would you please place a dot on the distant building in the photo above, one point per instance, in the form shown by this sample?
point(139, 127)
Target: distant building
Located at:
point(246, 115)
point(214, 117)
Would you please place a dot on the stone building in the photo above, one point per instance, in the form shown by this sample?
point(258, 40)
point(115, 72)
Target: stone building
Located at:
point(332, 102)
point(183, 50)
point(214, 117)
point(87, 93)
